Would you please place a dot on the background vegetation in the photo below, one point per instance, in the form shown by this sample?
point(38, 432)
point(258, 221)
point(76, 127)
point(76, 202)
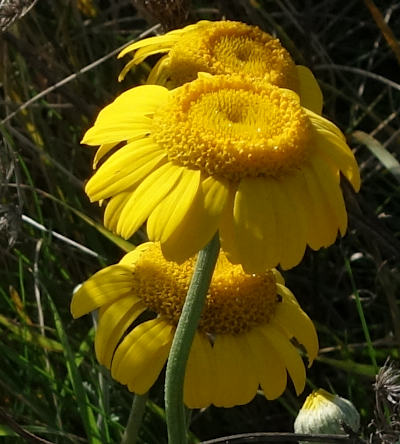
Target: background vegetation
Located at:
point(57, 69)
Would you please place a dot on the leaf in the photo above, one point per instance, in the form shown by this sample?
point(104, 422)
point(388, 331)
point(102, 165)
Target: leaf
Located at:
point(380, 152)
point(27, 334)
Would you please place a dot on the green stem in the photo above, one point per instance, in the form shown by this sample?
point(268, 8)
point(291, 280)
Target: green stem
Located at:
point(185, 331)
point(135, 419)
point(371, 350)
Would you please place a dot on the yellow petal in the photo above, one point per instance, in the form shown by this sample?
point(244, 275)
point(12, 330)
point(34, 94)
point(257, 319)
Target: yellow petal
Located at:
point(127, 115)
point(321, 124)
point(309, 91)
point(251, 381)
point(148, 47)
point(256, 225)
point(102, 151)
point(267, 363)
point(330, 186)
point(300, 220)
point(200, 223)
point(142, 354)
point(124, 169)
point(146, 197)
point(143, 53)
point(314, 227)
point(291, 318)
point(161, 41)
point(286, 293)
point(289, 355)
point(138, 58)
point(160, 72)
point(114, 208)
point(235, 381)
point(199, 376)
point(304, 209)
point(132, 257)
point(103, 287)
point(118, 127)
point(126, 69)
point(170, 212)
point(278, 277)
point(335, 150)
point(142, 100)
point(227, 231)
point(114, 321)
point(325, 226)
point(290, 225)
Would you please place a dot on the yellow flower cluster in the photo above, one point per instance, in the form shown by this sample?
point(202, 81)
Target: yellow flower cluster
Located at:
point(227, 136)
point(238, 145)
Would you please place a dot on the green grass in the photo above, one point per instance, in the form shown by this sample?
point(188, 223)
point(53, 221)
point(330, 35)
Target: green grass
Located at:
point(50, 382)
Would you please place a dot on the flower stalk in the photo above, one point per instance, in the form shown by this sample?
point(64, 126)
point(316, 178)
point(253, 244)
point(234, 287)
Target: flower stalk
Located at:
point(186, 328)
point(135, 419)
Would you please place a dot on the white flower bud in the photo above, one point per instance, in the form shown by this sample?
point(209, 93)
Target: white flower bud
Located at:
point(323, 412)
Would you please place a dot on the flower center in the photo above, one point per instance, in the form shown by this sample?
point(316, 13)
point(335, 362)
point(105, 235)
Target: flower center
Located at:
point(229, 48)
point(233, 128)
point(235, 302)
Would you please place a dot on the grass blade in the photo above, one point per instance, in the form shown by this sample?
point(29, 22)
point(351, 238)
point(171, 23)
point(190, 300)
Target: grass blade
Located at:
point(85, 409)
point(380, 152)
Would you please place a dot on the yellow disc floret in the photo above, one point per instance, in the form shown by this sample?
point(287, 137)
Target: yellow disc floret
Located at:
point(238, 301)
point(227, 47)
point(235, 303)
point(234, 128)
point(161, 284)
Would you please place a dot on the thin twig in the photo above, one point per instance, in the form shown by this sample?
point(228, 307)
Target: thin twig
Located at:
point(362, 72)
point(59, 236)
point(36, 286)
point(383, 342)
point(263, 437)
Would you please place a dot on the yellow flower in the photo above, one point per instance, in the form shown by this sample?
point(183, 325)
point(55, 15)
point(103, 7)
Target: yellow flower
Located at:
point(222, 153)
point(224, 47)
point(243, 339)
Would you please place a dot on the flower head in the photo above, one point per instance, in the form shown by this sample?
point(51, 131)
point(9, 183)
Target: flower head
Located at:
point(323, 412)
point(224, 48)
point(243, 339)
point(386, 420)
point(222, 153)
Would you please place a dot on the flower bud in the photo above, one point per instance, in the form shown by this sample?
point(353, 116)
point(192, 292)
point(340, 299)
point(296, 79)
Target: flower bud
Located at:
point(323, 412)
